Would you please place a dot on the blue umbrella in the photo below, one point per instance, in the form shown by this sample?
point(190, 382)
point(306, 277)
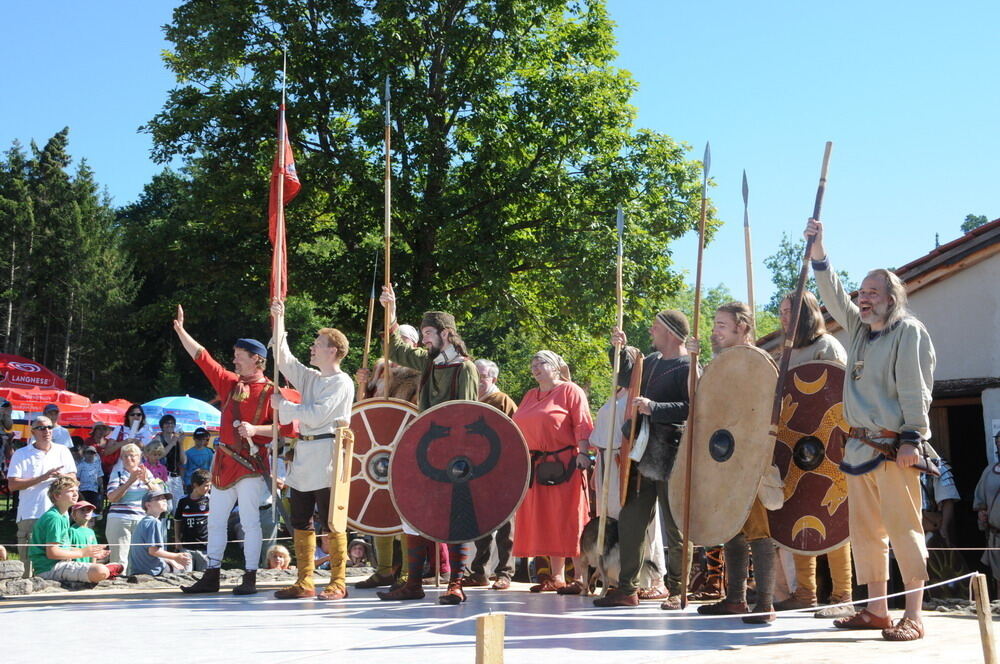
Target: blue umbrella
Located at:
point(188, 411)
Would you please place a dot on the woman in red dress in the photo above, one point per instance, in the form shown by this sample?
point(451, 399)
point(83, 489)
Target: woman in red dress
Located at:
point(555, 420)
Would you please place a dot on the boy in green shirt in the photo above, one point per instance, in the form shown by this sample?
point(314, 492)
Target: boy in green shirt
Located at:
point(52, 553)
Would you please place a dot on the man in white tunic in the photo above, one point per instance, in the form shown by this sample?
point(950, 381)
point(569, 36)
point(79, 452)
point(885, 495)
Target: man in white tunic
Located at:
point(327, 395)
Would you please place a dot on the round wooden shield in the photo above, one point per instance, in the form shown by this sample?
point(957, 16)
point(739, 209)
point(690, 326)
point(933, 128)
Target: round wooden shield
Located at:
point(459, 471)
point(377, 425)
point(810, 446)
point(732, 446)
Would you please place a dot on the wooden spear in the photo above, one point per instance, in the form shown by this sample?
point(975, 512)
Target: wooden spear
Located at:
point(693, 381)
point(786, 351)
point(749, 258)
point(602, 504)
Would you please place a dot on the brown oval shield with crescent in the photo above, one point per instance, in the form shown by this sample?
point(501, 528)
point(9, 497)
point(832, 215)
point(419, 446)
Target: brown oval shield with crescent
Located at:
point(377, 425)
point(459, 471)
point(810, 446)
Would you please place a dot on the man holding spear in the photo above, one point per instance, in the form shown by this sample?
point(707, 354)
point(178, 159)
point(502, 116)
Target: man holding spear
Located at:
point(664, 407)
point(890, 362)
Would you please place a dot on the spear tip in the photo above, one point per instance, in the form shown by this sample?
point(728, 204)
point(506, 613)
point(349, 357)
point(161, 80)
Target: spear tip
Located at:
point(746, 189)
point(707, 161)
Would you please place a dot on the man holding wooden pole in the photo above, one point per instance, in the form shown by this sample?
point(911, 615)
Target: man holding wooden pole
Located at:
point(890, 365)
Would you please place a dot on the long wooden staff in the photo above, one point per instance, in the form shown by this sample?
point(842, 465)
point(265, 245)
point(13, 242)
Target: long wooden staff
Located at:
point(602, 504)
point(368, 332)
point(786, 352)
point(749, 257)
point(277, 326)
point(693, 381)
point(388, 238)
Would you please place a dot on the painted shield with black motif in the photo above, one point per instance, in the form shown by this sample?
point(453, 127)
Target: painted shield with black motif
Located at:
point(378, 424)
point(459, 471)
point(731, 447)
point(810, 446)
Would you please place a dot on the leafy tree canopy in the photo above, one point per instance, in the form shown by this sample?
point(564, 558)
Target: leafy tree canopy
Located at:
point(513, 141)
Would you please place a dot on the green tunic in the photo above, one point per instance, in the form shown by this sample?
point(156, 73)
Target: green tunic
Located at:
point(438, 382)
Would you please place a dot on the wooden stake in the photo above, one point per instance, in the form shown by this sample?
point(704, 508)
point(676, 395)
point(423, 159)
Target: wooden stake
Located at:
point(985, 615)
point(602, 503)
point(388, 239)
point(489, 639)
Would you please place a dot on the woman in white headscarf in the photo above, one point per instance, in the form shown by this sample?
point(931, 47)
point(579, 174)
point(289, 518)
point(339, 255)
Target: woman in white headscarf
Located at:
point(555, 420)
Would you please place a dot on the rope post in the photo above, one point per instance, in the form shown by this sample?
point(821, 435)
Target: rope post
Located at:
point(985, 616)
point(489, 638)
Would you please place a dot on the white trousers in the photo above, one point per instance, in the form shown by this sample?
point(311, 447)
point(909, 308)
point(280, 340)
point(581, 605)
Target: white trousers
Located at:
point(248, 493)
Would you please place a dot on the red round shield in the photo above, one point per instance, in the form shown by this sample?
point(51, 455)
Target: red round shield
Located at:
point(377, 425)
point(810, 446)
point(459, 471)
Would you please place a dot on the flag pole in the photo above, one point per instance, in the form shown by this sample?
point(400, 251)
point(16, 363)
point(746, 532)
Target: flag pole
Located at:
point(278, 276)
point(388, 238)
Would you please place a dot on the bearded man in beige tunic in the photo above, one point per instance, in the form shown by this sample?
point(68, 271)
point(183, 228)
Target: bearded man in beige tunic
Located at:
point(887, 395)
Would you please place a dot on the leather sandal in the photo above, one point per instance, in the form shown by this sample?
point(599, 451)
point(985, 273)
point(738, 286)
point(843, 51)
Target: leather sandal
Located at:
point(573, 588)
point(502, 583)
point(864, 619)
point(653, 593)
point(333, 592)
point(724, 608)
point(376, 581)
point(547, 585)
point(906, 629)
point(454, 595)
point(404, 592)
point(475, 581)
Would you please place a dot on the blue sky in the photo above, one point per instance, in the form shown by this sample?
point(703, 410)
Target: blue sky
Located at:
point(908, 92)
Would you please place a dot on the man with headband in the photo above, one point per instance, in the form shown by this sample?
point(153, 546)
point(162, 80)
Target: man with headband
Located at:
point(663, 409)
point(447, 374)
point(242, 459)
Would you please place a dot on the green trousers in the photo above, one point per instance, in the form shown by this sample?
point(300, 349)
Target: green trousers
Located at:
point(635, 517)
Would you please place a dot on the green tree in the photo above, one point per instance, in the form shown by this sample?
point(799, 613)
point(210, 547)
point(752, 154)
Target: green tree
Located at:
point(785, 266)
point(513, 142)
point(974, 221)
point(66, 277)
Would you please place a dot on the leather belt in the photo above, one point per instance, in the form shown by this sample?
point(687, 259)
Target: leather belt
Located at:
point(860, 432)
point(321, 436)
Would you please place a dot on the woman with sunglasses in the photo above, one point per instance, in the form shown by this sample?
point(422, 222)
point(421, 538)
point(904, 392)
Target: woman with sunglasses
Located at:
point(134, 431)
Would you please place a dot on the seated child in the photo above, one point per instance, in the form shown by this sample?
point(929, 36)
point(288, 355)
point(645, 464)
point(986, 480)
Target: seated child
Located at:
point(91, 476)
point(191, 520)
point(147, 554)
point(52, 553)
point(278, 557)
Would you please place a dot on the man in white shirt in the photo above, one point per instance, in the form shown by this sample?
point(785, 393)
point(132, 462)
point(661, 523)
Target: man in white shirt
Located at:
point(32, 469)
point(60, 435)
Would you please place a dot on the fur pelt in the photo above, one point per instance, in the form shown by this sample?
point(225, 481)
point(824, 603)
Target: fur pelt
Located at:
point(404, 383)
point(661, 452)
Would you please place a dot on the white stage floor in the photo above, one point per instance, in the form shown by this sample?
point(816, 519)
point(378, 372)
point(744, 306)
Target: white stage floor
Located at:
point(169, 626)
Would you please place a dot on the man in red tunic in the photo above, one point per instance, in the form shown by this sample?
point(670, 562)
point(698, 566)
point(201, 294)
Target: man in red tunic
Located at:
point(241, 461)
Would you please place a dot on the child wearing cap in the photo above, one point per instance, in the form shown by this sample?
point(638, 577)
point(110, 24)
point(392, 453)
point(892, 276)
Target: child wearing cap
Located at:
point(148, 555)
point(198, 457)
point(80, 534)
point(91, 475)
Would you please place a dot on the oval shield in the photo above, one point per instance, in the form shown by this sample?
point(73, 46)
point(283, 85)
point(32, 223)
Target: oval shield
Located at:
point(459, 471)
point(377, 425)
point(732, 445)
point(810, 446)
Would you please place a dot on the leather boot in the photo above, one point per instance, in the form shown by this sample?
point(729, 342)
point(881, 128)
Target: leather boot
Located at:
point(412, 589)
point(305, 555)
point(337, 588)
point(208, 583)
point(248, 585)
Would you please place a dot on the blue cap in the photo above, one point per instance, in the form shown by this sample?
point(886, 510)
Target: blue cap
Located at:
point(251, 346)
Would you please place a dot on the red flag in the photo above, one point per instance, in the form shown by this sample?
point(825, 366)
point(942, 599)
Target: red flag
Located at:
point(284, 186)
